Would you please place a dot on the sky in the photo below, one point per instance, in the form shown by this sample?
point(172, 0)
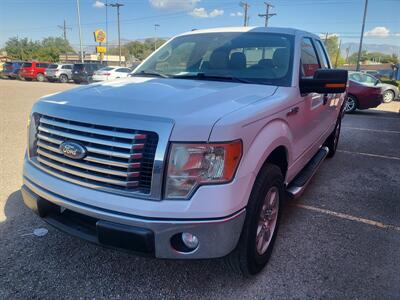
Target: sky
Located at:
point(37, 19)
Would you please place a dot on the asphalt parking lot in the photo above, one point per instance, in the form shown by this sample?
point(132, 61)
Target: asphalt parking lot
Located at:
point(340, 240)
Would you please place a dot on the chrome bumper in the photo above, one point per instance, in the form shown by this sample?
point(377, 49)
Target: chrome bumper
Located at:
point(217, 237)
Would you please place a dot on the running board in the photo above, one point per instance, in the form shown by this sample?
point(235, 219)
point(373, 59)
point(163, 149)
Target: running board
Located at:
point(300, 182)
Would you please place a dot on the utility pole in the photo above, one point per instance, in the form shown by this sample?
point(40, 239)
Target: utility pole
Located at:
point(106, 5)
point(326, 39)
point(338, 53)
point(118, 5)
point(267, 15)
point(347, 54)
point(155, 36)
point(246, 7)
point(80, 29)
point(64, 28)
point(362, 36)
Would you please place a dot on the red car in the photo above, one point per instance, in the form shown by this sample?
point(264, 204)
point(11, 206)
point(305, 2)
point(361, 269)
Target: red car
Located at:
point(362, 96)
point(33, 70)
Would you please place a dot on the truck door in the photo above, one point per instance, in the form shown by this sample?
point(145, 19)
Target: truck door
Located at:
point(315, 104)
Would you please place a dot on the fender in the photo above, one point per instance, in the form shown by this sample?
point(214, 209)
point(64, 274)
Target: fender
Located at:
point(274, 134)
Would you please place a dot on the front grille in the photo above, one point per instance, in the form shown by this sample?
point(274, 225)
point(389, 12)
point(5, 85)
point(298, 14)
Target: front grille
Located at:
point(117, 158)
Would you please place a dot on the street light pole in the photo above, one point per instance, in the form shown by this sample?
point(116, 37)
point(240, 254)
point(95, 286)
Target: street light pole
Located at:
point(80, 29)
point(106, 31)
point(155, 36)
point(118, 5)
point(362, 36)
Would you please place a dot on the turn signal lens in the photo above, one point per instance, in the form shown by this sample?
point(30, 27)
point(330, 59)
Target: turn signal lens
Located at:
point(191, 165)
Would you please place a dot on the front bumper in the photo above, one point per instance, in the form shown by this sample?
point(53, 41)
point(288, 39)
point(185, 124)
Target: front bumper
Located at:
point(148, 236)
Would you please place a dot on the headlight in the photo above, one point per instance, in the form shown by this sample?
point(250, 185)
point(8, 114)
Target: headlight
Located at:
point(32, 130)
point(191, 165)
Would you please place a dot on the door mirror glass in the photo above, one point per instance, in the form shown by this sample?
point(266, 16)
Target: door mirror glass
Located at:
point(325, 81)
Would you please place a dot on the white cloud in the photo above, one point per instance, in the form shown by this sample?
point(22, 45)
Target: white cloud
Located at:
point(174, 4)
point(379, 31)
point(201, 12)
point(236, 14)
point(98, 4)
point(397, 34)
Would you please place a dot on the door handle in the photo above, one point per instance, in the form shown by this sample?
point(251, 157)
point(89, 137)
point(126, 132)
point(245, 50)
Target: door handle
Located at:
point(293, 111)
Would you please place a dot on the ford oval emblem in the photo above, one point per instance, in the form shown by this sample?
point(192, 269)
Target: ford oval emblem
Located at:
point(73, 150)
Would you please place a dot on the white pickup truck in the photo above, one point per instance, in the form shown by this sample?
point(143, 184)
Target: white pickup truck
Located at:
point(193, 155)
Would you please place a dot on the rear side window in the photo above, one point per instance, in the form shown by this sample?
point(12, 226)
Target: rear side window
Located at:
point(309, 58)
point(27, 65)
point(53, 66)
point(323, 58)
point(67, 67)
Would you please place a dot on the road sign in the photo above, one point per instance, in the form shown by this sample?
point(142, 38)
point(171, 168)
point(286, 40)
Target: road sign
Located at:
point(101, 49)
point(100, 36)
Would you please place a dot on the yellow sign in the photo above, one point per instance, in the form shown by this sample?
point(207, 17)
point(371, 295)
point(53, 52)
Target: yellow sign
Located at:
point(100, 36)
point(100, 49)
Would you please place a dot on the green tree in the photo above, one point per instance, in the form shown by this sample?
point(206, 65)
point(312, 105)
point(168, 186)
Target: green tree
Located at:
point(332, 46)
point(48, 49)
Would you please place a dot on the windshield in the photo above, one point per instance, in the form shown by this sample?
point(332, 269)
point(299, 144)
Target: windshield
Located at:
point(79, 67)
point(251, 57)
point(53, 66)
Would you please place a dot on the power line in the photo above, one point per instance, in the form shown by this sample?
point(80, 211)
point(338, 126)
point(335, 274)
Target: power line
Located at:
point(267, 15)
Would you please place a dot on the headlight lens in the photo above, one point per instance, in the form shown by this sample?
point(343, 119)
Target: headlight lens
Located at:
point(191, 165)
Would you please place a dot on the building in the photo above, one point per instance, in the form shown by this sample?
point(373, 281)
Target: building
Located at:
point(108, 59)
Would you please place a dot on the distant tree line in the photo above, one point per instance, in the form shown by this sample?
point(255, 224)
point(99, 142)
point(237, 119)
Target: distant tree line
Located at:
point(138, 50)
point(47, 49)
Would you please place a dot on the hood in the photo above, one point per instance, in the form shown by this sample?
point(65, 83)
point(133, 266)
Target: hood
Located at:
point(192, 105)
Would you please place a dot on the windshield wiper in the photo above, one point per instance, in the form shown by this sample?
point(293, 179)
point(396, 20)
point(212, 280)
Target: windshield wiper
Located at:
point(150, 74)
point(205, 76)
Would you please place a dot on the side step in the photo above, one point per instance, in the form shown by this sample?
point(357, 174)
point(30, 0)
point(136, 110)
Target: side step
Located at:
point(299, 183)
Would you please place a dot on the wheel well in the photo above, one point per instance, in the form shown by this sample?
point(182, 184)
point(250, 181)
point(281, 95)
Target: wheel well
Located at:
point(279, 157)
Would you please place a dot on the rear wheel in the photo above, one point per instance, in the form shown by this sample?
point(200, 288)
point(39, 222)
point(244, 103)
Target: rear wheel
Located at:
point(333, 140)
point(351, 104)
point(261, 225)
point(388, 96)
point(40, 77)
point(63, 78)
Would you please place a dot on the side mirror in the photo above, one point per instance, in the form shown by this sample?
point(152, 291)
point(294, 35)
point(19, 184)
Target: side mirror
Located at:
point(325, 81)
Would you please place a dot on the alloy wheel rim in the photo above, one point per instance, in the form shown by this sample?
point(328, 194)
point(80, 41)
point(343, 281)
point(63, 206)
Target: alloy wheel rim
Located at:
point(387, 97)
point(267, 220)
point(350, 104)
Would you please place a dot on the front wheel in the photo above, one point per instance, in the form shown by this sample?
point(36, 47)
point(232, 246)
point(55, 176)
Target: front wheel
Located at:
point(388, 96)
point(351, 104)
point(261, 225)
point(333, 140)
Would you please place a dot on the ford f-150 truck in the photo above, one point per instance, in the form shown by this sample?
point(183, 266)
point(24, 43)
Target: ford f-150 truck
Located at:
point(193, 155)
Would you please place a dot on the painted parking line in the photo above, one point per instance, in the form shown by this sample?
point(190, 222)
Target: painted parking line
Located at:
point(349, 217)
point(372, 130)
point(370, 154)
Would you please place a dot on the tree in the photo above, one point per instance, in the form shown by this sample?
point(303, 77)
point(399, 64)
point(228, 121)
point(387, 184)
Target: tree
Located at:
point(48, 49)
point(332, 46)
point(374, 56)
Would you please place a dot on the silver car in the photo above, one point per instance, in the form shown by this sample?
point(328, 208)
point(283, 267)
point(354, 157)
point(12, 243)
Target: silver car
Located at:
point(59, 72)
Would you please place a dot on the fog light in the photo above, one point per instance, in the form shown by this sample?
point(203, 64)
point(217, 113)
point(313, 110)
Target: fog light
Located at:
point(191, 241)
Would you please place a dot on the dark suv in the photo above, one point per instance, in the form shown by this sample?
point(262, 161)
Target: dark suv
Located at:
point(84, 72)
point(11, 69)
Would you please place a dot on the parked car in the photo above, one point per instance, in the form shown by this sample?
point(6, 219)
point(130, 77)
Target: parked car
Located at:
point(11, 69)
point(362, 93)
point(59, 72)
point(194, 155)
point(390, 92)
point(84, 72)
point(33, 70)
point(110, 73)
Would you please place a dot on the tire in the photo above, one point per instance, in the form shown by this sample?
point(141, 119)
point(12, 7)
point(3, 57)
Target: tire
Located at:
point(247, 258)
point(63, 78)
point(333, 140)
point(388, 96)
point(351, 104)
point(40, 77)
point(28, 79)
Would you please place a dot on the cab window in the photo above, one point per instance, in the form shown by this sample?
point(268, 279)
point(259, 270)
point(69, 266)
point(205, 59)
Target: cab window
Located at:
point(309, 58)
